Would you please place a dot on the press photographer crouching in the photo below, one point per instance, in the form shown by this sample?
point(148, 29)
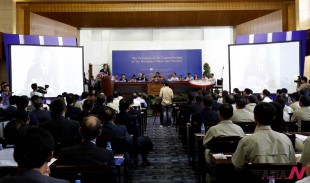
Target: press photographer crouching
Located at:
point(38, 90)
point(303, 83)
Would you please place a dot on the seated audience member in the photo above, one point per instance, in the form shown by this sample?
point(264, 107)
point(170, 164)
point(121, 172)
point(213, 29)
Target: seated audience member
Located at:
point(295, 101)
point(31, 106)
point(174, 77)
point(281, 101)
point(236, 91)
point(278, 124)
point(303, 84)
point(141, 100)
point(88, 105)
point(87, 152)
point(278, 92)
point(123, 78)
point(285, 94)
point(79, 104)
point(116, 98)
point(305, 155)
point(188, 77)
point(230, 99)
point(224, 128)
point(216, 104)
point(6, 94)
point(212, 78)
point(252, 101)
point(247, 92)
point(22, 103)
point(41, 114)
point(196, 105)
point(12, 133)
point(60, 127)
point(207, 115)
point(266, 95)
point(32, 153)
point(111, 104)
point(100, 104)
point(12, 108)
point(260, 98)
point(241, 114)
point(34, 88)
point(303, 113)
point(135, 103)
point(71, 111)
point(196, 76)
point(221, 100)
point(265, 145)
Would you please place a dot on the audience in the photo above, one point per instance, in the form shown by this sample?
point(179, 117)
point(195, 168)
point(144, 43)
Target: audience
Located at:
point(79, 104)
point(39, 113)
point(266, 96)
point(241, 114)
point(252, 101)
point(207, 115)
point(295, 101)
point(230, 99)
point(100, 104)
point(303, 113)
point(303, 84)
point(32, 153)
point(88, 105)
point(257, 148)
point(71, 111)
point(281, 101)
point(141, 100)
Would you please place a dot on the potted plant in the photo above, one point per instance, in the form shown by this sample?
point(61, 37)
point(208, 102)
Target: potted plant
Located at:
point(207, 69)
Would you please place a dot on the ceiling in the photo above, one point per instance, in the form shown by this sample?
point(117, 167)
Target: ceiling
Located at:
point(156, 13)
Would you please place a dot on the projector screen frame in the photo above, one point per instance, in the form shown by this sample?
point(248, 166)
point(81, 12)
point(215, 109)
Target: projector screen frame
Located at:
point(56, 46)
point(280, 42)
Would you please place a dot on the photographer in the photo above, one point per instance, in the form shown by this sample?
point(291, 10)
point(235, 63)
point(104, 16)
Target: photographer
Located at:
point(303, 84)
point(35, 91)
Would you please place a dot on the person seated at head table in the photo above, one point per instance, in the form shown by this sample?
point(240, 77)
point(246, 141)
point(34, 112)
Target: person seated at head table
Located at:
point(204, 77)
point(173, 77)
point(123, 78)
point(116, 79)
point(212, 78)
point(188, 77)
point(181, 78)
point(133, 78)
point(264, 145)
point(196, 76)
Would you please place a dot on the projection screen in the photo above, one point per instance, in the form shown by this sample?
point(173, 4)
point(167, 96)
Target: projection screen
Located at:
point(59, 67)
point(269, 66)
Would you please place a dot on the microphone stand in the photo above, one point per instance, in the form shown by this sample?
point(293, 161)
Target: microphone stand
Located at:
point(222, 73)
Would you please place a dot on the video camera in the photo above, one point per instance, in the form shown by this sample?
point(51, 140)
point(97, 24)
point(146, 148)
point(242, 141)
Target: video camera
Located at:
point(42, 89)
point(298, 80)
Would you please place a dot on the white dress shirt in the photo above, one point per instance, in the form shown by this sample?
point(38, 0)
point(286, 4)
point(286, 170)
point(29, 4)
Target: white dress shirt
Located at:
point(242, 115)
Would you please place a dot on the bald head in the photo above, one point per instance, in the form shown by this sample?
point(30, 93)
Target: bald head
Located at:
point(90, 128)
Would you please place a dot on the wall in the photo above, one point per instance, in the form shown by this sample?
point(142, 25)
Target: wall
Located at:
point(99, 43)
point(40, 25)
point(268, 23)
point(7, 16)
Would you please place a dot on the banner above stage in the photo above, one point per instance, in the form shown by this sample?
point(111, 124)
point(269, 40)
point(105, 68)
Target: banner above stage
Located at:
point(133, 62)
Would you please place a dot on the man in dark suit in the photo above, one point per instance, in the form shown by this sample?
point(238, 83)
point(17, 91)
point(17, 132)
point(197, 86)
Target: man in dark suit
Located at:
point(72, 112)
point(100, 104)
point(196, 106)
point(12, 108)
point(62, 129)
point(41, 114)
point(207, 115)
point(87, 107)
point(87, 152)
point(32, 153)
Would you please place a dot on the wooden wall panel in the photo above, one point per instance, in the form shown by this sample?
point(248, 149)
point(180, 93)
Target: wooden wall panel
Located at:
point(265, 24)
point(7, 16)
point(40, 25)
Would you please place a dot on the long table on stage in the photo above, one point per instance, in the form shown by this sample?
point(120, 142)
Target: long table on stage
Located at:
point(152, 88)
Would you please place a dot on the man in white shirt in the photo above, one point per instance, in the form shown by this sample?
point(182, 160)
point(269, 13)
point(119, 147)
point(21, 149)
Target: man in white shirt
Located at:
point(303, 113)
point(295, 100)
point(80, 103)
point(224, 128)
point(212, 79)
point(305, 155)
point(166, 94)
point(265, 145)
point(174, 77)
point(241, 114)
point(135, 103)
point(252, 101)
point(266, 95)
point(188, 77)
point(303, 84)
point(141, 100)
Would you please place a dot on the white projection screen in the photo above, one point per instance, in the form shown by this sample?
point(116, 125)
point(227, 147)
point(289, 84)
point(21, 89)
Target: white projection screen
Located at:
point(57, 66)
point(269, 66)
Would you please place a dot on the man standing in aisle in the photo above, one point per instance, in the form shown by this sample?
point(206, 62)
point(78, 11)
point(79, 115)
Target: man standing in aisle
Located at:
point(166, 94)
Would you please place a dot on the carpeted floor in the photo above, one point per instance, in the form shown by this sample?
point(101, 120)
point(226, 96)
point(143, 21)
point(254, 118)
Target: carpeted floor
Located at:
point(169, 159)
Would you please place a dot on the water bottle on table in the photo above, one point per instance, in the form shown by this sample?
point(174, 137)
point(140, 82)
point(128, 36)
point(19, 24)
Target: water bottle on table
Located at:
point(202, 128)
point(109, 147)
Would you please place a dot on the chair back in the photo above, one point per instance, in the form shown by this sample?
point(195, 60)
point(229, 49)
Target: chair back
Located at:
point(247, 127)
point(8, 170)
point(219, 82)
point(292, 137)
point(305, 126)
point(223, 144)
point(119, 145)
point(291, 126)
point(86, 173)
point(65, 142)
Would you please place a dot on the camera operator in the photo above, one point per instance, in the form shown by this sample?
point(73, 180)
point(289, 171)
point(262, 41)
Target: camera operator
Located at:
point(35, 91)
point(303, 84)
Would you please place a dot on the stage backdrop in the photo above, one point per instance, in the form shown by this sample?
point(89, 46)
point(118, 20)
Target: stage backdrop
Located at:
point(131, 62)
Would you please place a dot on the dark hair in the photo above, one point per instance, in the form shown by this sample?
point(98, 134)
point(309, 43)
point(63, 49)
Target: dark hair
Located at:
point(64, 94)
point(252, 99)
point(13, 99)
point(304, 78)
point(284, 90)
point(34, 86)
point(278, 123)
point(100, 99)
point(37, 102)
point(266, 92)
point(57, 107)
point(281, 101)
point(305, 100)
point(115, 94)
point(85, 95)
point(22, 115)
point(236, 90)
point(88, 104)
point(34, 148)
point(13, 131)
point(198, 98)
point(124, 104)
point(108, 114)
point(90, 131)
point(70, 98)
point(134, 95)
point(279, 91)
point(248, 91)
point(208, 101)
point(240, 102)
point(226, 111)
point(296, 96)
point(22, 102)
point(230, 99)
point(110, 99)
point(215, 96)
point(264, 113)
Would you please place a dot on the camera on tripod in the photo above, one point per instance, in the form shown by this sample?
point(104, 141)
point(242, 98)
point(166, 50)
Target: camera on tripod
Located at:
point(42, 89)
point(298, 80)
